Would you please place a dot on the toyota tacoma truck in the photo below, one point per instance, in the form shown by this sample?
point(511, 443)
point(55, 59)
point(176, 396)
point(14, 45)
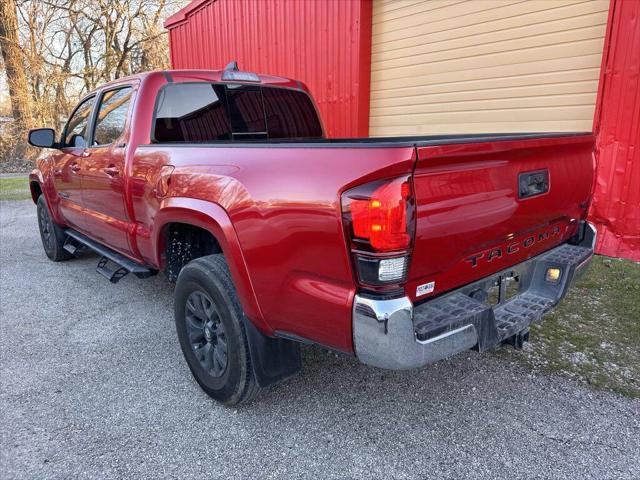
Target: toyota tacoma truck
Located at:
point(400, 251)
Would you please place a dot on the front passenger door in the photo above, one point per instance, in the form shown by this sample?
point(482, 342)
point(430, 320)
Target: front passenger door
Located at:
point(69, 161)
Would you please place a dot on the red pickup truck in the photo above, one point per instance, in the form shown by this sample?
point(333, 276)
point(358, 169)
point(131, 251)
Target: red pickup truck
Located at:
point(400, 251)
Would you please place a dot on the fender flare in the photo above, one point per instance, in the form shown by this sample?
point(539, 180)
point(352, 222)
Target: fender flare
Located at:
point(214, 219)
point(36, 177)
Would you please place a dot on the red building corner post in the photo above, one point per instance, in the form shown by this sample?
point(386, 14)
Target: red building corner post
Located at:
point(616, 204)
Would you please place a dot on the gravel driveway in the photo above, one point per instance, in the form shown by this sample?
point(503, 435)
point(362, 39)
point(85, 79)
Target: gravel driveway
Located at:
point(94, 385)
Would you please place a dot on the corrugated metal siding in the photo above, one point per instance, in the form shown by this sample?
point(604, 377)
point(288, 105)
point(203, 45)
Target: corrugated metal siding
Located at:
point(616, 204)
point(324, 44)
point(451, 66)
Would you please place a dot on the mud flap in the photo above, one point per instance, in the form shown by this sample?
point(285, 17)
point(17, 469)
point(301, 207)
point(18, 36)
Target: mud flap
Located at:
point(273, 359)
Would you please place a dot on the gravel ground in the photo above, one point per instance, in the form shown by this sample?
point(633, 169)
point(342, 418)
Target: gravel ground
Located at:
point(94, 385)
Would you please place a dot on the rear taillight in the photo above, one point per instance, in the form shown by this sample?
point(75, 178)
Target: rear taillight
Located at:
point(379, 220)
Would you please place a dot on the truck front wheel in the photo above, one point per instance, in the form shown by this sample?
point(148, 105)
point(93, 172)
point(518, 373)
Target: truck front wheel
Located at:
point(51, 233)
point(211, 332)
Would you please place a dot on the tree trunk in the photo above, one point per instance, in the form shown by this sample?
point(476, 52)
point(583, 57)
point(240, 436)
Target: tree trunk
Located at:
point(14, 65)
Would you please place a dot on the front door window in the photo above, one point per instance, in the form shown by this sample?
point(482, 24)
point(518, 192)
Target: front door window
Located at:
point(76, 133)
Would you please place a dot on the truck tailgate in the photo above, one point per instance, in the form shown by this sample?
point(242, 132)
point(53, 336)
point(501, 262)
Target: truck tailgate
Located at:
point(483, 207)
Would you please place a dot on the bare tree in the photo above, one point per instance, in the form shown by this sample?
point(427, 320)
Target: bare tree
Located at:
point(119, 37)
point(57, 50)
point(14, 64)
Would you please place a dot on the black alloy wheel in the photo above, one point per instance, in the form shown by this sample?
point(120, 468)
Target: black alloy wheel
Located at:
point(210, 325)
point(46, 228)
point(51, 233)
point(207, 335)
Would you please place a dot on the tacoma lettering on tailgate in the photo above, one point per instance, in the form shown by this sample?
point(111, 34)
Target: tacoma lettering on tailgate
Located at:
point(511, 248)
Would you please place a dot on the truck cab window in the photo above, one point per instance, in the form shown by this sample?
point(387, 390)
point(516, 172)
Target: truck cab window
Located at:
point(112, 116)
point(76, 133)
point(191, 112)
point(204, 112)
point(246, 112)
point(290, 114)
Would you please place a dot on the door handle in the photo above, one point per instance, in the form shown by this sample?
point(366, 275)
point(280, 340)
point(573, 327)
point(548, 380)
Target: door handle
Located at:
point(75, 168)
point(112, 171)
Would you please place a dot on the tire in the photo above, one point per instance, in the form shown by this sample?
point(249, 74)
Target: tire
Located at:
point(209, 323)
point(51, 234)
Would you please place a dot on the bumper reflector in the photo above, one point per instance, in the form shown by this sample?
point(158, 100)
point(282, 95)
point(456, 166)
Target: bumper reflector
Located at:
point(553, 275)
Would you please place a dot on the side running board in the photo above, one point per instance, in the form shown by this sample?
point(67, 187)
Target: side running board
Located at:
point(76, 243)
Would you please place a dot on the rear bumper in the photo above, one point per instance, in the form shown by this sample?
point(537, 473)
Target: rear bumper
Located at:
point(395, 334)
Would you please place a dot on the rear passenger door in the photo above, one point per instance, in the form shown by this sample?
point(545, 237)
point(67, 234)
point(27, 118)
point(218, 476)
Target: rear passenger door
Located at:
point(103, 175)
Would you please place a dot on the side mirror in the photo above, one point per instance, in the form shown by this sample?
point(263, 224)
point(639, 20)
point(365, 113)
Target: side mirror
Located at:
point(42, 137)
point(78, 141)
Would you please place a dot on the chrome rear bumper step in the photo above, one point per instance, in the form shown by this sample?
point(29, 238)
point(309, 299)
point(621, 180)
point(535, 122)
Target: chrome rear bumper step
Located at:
point(396, 334)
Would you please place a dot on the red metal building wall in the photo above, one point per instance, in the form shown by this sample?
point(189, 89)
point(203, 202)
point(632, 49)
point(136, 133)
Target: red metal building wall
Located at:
point(616, 203)
point(325, 44)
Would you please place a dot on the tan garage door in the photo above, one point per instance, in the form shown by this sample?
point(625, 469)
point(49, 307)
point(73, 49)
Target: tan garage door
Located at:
point(451, 66)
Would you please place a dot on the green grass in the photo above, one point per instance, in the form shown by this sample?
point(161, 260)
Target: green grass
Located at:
point(14, 188)
point(594, 334)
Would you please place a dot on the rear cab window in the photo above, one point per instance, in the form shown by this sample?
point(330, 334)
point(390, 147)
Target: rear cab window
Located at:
point(206, 112)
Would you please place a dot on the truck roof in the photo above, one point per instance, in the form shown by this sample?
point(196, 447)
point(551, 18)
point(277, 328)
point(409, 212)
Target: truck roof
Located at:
point(183, 75)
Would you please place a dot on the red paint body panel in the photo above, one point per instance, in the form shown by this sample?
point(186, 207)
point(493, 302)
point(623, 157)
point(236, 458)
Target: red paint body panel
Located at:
point(284, 205)
point(616, 202)
point(275, 208)
point(328, 47)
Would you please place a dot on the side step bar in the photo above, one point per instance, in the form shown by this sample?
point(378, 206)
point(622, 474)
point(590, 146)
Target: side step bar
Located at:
point(77, 242)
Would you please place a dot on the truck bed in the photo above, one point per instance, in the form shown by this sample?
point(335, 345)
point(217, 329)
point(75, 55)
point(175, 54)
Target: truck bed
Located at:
point(283, 198)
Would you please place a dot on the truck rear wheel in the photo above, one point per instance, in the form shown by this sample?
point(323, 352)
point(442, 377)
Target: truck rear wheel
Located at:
point(51, 234)
point(209, 323)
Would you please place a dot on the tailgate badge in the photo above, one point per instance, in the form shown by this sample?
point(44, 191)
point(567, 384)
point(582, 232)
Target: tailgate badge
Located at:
point(425, 288)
